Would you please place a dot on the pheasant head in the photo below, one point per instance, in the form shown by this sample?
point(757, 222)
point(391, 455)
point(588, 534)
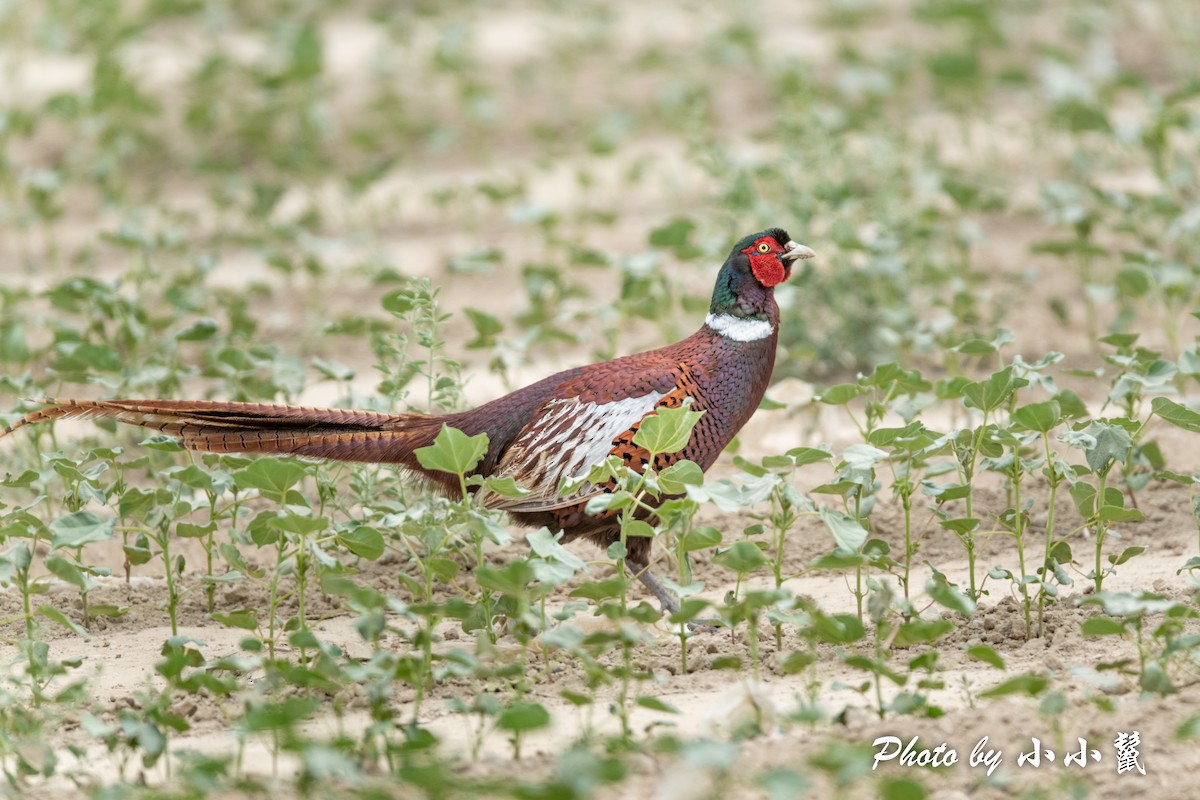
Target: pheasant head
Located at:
point(743, 302)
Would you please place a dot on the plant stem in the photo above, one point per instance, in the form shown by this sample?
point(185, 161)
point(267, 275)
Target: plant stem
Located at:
point(172, 596)
point(858, 570)
point(1019, 532)
point(210, 544)
point(1049, 534)
point(906, 499)
point(969, 537)
point(273, 597)
point(1098, 577)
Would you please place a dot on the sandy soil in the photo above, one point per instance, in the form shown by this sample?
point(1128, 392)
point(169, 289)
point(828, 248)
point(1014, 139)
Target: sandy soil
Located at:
point(119, 655)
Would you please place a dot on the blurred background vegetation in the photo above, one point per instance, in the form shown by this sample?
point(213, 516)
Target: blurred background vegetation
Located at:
point(225, 189)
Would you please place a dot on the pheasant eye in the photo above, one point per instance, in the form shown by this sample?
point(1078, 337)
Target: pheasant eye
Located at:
point(763, 247)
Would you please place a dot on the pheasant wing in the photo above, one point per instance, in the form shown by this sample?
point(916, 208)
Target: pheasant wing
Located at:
point(568, 436)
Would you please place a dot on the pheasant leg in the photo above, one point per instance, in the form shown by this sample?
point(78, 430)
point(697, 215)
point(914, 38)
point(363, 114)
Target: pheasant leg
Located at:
point(669, 603)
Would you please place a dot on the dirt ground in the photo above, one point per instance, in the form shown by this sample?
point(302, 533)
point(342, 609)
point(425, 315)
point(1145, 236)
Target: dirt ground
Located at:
point(119, 655)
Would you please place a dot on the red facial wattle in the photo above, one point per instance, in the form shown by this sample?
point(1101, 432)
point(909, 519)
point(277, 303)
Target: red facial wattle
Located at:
point(768, 268)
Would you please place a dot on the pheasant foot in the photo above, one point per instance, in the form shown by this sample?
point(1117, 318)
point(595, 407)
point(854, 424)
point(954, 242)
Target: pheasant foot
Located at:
point(669, 603)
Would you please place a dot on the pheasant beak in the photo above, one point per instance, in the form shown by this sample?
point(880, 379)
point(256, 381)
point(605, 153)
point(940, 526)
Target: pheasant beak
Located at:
point(795, 252)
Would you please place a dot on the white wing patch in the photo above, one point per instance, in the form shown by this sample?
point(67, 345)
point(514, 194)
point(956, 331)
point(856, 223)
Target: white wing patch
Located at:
point(739, 329)
point(566, 441)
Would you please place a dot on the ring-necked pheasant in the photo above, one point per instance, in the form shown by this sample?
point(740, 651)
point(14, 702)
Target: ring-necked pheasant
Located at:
point(556, 428)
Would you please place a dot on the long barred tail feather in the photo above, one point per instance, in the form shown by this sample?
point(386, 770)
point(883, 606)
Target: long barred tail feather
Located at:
point(220, 427)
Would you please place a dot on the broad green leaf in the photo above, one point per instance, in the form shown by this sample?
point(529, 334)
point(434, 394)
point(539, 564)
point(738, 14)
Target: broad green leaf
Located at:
point(724, 494)
point(700, 538)
point(505, 487)
point(272, 477)
point(188, 530)
point(921, 631)
point(993, 392)
point(80, 528)
point(200, 330)
point(1029, 684)
point(666, 431)
point(139, 552)
point(608, 501)
point(655, 704)
point(638, 527)
point(243, 620)
point(1129, 604)
point(444, 570)
point(674, 233)
point(191, 475)
point(1102, 443)
point(486, 328)
point(1117, 514)
point(511, 579)
point(782, 783)
point(1155, 679)
point(1040, 417)
point(1084, 497)
point(742, 557)
point(731, 661)
point(847, 532)
point(279, 715)
point(54, 615)
point(902, 789)
point(522, 716)
point(796, 662)
point(803, 456)
point(68, 571)
point(1102, 626)
point(106, 610)
point(599, 590)
point(949, 596)
point(137, 503)
point(341, 586)
point(689, 609)
point(545, 544)
point(24, 479)
point(909, 439)
point(863, 456)
point(676, 478)
point(1189, 729)
point(1176, 414)
point(837, 628)
point(162, 442)
point(1126, 554)
point(946, 491)
point(363, 541)
point(299, 523)
point(975, 347)
point(453, 451)
point(840, 394)
point(986, 654)
point(1072, 407)
point(838, 559)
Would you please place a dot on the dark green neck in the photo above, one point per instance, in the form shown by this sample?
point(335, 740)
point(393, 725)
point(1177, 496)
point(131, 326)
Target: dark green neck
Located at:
point(738, 294)
point(724, 299)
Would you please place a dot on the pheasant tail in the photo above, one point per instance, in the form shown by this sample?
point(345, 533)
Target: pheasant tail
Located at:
point(219, 427)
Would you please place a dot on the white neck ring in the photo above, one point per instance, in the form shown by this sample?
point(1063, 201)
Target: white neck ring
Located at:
point(739, 329)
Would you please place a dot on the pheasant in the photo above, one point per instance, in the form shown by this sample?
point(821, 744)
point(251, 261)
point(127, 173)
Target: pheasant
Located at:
point(557, 428)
